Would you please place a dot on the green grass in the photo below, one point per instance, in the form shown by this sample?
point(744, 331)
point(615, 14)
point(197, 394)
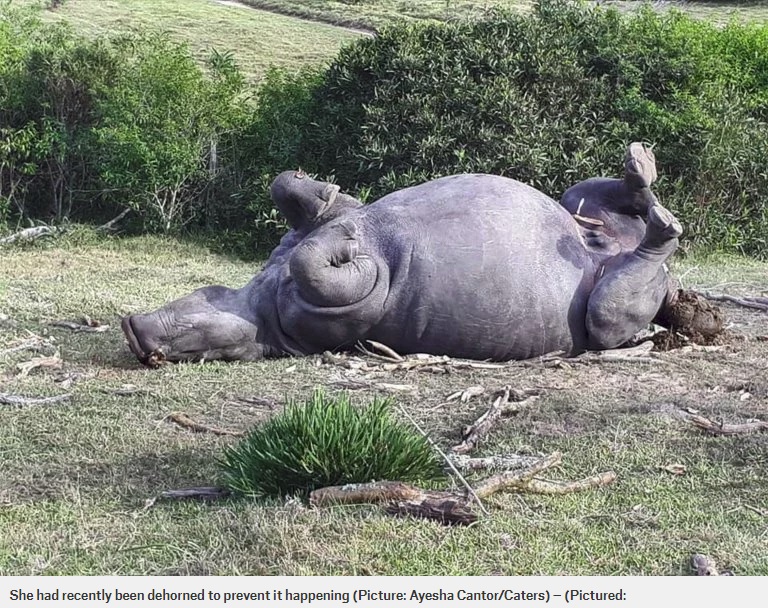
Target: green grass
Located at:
point(75, 478)
point(258, 39)
point(378, 13)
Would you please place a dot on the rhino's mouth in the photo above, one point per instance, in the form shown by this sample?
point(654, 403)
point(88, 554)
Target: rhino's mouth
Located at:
point(150, 358)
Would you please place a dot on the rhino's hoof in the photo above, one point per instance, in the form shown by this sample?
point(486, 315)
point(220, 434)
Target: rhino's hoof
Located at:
point(639, 166)
point(664, 222)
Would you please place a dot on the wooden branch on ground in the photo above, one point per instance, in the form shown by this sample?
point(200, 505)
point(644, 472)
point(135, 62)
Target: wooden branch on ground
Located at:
point(88, 326)
point(459, 476)
point(186, 422)
point(29, 234)
point(354, 385)
point(449, 512)
point(449, 507)
point(376, 492)
point(110, 225)
point(482, 426)
point(756, 303)
point(53, 362)
point(720, 428)
point(543, 486)
point(20, 401)
point(517, 479)
point(505, 462)
point(418, 362)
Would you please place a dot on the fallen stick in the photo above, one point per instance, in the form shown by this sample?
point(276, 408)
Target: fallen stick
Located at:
point(492, 463)
point(20, 401)
point(354, 385)
point(517, 479)
point(386, 350)
point(543, 486)
point(446, 506)
point(465, 395)
point(25, 368)
point(29, 234)
point(480, 428)
point(455, 471)
point(747, 301)
point(720, 428)
point(80, 327)
point(186, 422)
point(110, 225)
point(449, 512)
point(365, 493)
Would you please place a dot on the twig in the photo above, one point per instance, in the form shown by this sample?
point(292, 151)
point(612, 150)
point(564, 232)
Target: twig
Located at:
point(29, 234)
point(720, 428)
point(90, 327)
point(20, 401)
point(451, 466)
point(746, 302)
point(53, 362)
point(111, 223)
point(364, 493)
point(386, 350)
point(465, 395)
point(492, 463)
point(185, 421)
point(474, 432)
point(517, 479)
point(447, 511)
point(354, 385)
point(543, 486)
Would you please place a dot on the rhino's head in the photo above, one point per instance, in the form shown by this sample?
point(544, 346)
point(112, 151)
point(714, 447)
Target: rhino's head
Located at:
point(210, 323)
point(239, 324)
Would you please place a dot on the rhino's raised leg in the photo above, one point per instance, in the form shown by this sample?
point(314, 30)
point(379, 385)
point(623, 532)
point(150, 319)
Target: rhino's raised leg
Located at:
point(633, 285)
point(307, 203)
point(329, 269)
point(630, 195)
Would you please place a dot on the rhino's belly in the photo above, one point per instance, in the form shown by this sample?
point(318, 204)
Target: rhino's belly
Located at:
point(477, 306)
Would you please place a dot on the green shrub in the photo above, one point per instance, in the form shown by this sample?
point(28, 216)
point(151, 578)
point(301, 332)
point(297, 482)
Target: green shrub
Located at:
point(323, 442)
point(92, 126)
point(555, 97)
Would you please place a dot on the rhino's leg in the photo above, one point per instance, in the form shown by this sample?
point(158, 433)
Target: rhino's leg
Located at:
point(329, 269)
point(633, 285)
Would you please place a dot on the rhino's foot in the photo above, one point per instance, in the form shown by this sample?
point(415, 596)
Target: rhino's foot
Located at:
point(662, 225)
point(639, 167)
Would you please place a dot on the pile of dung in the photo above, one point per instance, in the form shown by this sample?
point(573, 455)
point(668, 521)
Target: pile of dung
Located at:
point(691, 319)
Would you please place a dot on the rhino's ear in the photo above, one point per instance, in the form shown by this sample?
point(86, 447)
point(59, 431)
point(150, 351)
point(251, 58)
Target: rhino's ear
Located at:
point(302, 200)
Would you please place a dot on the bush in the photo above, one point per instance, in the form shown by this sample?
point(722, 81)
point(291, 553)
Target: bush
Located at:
point(92, 126)
point(323, 442)
point(555, 97)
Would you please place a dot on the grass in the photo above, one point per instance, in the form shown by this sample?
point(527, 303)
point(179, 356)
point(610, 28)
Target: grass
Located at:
point(257, 39)
point(375, 14)
point(75, 478)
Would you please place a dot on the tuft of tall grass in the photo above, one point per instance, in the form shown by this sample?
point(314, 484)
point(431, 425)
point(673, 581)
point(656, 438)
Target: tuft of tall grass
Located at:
point(327, 441)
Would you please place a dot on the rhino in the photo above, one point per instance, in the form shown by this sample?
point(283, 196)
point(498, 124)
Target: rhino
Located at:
point(471, 266)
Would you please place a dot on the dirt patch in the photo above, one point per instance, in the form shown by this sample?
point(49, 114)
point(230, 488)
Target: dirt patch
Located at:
point(691, 318)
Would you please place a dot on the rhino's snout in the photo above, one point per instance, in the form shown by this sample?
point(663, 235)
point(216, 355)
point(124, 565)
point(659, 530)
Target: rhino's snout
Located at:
point(138, 341)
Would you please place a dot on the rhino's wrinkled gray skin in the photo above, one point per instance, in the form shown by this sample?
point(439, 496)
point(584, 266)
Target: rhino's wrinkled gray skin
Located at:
point(617, 208)
point(474, 266)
